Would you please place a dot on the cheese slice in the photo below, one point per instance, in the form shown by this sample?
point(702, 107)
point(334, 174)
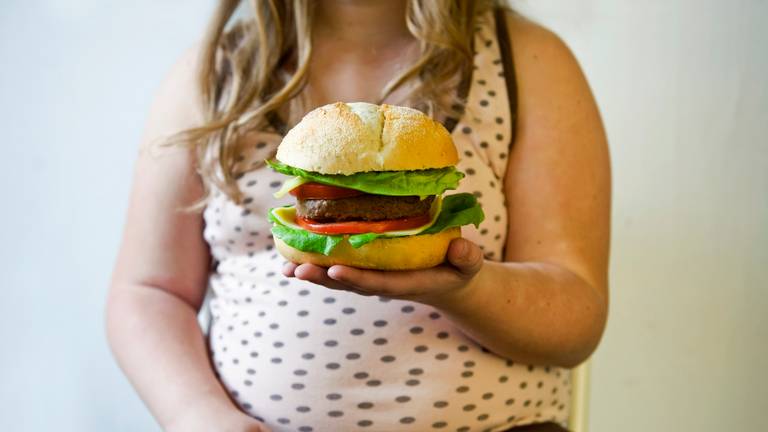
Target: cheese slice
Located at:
point(290, 185)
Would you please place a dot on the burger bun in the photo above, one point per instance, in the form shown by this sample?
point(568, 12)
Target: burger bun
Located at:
point(397, 253)
point(347, 138)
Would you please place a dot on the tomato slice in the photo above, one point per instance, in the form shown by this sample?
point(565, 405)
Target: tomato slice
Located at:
point(321, 191)
point(361, 227)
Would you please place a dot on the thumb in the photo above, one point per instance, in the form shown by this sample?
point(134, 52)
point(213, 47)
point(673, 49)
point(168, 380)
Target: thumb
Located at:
point(465, 256)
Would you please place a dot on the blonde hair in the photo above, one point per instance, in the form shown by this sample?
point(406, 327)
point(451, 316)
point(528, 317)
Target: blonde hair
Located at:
point(243, 76)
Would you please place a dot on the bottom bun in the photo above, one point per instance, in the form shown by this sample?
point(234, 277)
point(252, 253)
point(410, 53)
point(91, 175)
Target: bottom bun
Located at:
point(398, 253)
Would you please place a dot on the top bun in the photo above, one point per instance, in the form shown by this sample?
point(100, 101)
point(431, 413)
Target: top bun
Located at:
point(347, 138)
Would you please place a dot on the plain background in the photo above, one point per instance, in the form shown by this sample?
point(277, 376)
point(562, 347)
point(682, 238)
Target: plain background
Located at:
point(682, 87)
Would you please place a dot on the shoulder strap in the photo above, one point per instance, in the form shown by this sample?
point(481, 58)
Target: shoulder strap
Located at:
point(508, 62)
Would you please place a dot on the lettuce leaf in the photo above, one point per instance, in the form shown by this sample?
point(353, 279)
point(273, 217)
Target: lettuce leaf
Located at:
point(394, 183)
point(457, 210)
point(357, 240)
point(304, 240)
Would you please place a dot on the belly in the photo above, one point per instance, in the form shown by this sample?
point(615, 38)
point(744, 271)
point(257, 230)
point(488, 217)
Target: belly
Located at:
point(305, 358)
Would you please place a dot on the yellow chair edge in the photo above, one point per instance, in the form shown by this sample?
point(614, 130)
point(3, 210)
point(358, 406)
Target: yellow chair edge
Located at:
point(578, 420)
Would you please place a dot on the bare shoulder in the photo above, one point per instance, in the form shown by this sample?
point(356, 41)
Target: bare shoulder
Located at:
point(554, 96)
point(177, 104)
point(536, 46)
point(553, 92)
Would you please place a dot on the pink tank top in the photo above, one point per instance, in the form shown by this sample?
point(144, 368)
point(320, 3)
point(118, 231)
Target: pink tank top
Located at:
point(301, 357)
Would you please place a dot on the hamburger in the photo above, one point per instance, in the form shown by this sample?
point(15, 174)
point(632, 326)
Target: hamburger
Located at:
point(369, 183)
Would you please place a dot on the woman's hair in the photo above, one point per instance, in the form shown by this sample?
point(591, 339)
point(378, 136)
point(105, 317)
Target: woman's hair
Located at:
point(257, 65)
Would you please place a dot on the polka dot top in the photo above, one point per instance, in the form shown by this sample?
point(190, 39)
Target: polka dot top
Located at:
point(301, 357)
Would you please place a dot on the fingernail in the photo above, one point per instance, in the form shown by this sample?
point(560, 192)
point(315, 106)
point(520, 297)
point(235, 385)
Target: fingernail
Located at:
point(333, 273)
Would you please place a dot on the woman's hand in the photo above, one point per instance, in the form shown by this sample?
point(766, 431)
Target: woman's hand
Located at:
point(229, 420)
point(436, 285)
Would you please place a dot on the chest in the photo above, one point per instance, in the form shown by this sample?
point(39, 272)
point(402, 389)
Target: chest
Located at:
point(336, 74)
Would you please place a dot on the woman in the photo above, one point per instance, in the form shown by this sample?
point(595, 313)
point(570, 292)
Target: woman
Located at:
point(479, 343)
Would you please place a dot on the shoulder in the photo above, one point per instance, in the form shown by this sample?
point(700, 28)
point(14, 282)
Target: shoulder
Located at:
point(181, 86)
point(197, 79)
point(552, 88)
point(547, 71)
point(536, 46)
point(177, 104)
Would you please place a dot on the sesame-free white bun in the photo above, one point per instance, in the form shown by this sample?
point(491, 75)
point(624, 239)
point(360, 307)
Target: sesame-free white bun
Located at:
point(346, 138)
point(398, 253)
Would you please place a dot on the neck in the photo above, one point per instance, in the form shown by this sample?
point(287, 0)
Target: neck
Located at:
point(362, 22)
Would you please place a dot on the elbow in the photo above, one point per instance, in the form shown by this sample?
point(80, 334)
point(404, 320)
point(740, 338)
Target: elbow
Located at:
point(585, 332)
point(112, 317)
point(130, 306)
point(581, 350)
point(120, 315)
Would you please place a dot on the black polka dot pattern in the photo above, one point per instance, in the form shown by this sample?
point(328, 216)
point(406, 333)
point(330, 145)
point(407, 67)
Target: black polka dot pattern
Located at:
point(334, 360)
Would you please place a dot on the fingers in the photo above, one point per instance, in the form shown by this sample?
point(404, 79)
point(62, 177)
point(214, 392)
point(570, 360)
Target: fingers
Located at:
point(465, 256)
point(464, 260)
point(316, 274)
point(319, 275)
point(404, 284)
point(289, 268)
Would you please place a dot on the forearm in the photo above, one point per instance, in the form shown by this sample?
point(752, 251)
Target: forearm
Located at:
point(158, 343)
point(536, 313)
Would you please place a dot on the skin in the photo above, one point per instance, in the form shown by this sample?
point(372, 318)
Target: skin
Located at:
point(546, 303)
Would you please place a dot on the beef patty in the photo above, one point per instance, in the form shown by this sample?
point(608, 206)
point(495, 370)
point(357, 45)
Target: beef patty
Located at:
point(363, 207)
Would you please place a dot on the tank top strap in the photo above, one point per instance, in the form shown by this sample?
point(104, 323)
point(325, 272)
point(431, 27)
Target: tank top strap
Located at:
point(508, 63)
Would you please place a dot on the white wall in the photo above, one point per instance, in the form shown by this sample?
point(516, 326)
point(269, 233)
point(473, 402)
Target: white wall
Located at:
point(76, 79)
point(682, 88)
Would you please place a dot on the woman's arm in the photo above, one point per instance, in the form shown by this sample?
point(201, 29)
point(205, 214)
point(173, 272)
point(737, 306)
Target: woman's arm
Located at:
point(160, 276)
point(547, 304)
point(549, 299)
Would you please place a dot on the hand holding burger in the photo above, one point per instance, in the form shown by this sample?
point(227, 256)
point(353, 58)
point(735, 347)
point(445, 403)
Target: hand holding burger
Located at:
point(447, 282)
point(369, 182)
